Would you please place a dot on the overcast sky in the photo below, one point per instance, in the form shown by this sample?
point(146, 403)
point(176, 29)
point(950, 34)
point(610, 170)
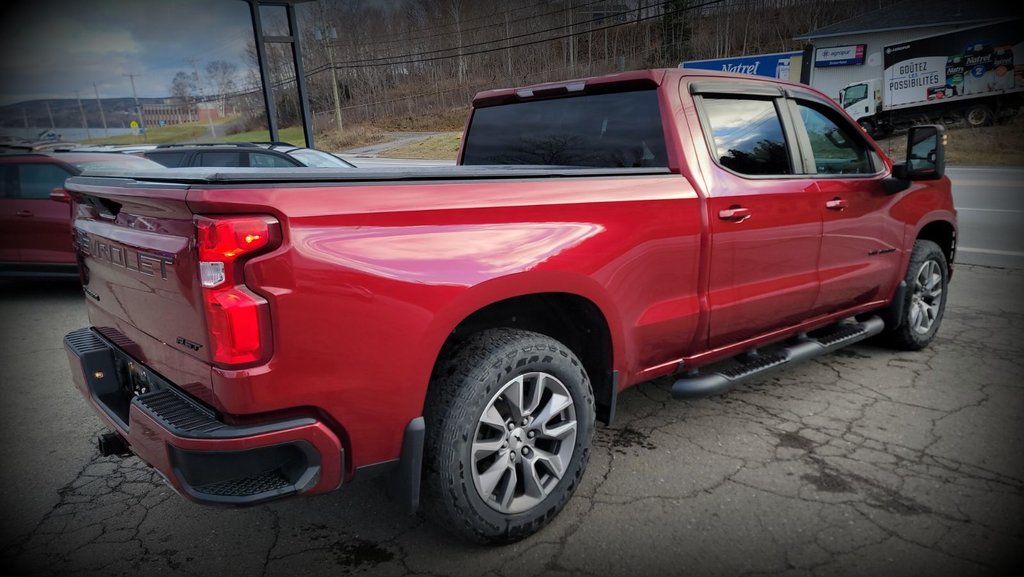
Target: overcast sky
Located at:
point(51, 48)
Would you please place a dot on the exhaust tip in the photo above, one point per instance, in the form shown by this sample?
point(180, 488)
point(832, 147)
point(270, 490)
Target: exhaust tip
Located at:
point(112, 444)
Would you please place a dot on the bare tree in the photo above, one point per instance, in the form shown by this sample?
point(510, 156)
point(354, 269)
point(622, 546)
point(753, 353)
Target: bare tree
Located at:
point(183, 87)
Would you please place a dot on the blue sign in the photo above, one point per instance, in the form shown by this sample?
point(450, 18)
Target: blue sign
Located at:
point(771, 65)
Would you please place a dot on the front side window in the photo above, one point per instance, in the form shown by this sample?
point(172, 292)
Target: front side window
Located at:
point(616, 130)
point(854, 94)
point(9, 181)
point(747, 135)
point(835, 146)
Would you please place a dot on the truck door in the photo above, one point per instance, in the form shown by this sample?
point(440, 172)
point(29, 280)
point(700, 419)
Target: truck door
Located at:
point(765, 222)
point(860, 243)
point(35, 229)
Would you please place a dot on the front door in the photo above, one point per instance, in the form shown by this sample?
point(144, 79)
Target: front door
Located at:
point(859, 259)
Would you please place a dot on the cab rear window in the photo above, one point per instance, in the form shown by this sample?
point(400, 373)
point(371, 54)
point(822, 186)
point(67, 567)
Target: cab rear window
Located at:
point(617, 130)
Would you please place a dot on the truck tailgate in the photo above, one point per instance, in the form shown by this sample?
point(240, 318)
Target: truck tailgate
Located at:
point(136, 250)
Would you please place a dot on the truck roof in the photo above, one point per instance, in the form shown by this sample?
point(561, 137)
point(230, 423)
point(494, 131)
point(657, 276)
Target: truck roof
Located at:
point(650, 78)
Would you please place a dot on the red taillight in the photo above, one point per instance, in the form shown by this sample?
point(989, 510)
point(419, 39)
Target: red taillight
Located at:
point(233, 313)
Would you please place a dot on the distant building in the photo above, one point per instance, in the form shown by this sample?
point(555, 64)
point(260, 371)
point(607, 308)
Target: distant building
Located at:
point(168, 112)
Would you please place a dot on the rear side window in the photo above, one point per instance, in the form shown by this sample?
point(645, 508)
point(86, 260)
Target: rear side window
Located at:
point(264, 160)
point(747, 135)
point(219, 159)
point(168, 159)
point(621, 129)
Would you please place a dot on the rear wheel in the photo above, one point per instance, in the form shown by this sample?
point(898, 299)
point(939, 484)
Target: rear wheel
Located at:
point(925, 300)
point(509, 426)
point(979, 115)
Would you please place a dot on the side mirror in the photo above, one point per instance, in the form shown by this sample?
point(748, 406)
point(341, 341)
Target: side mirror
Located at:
point(60, 195)
point(926, 152)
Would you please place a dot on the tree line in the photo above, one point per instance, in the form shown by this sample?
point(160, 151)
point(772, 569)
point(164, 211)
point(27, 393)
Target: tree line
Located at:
point(366, 60)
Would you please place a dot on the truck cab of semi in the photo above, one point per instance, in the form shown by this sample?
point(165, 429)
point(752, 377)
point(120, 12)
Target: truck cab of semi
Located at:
point(862, 100)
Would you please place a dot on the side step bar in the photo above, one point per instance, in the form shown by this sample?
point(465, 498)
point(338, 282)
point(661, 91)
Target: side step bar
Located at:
point(753, 364)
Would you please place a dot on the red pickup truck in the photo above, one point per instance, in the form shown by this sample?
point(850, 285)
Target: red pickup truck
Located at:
point(260, 334)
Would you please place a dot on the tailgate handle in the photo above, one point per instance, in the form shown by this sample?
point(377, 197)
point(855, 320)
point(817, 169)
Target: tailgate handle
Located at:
point(734, 213)
point(103, 205)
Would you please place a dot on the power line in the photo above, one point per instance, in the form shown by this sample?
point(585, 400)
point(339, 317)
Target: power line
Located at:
point(412, 58)
point(505, 39)
point(404, 38)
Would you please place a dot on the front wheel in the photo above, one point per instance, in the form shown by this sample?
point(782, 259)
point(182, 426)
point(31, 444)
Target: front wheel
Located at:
point(509, 427)
point(868, 126)
point(925, 300)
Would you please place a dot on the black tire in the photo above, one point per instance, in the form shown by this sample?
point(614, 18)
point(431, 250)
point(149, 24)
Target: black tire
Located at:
point(923, 306)
point(979, 115)
point(868, 127)
point(475, 379)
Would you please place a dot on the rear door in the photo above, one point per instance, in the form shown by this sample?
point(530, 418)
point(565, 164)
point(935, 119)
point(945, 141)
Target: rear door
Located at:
point(764, 216)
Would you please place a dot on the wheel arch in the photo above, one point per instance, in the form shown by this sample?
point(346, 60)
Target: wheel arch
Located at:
point(943, 233)
point(570, 317)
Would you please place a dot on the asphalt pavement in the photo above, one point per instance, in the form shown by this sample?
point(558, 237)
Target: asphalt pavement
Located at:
point(864, 462)
point(990, 212)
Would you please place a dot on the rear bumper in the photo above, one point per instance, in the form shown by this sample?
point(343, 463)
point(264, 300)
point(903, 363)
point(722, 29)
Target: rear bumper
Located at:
point(200, 455)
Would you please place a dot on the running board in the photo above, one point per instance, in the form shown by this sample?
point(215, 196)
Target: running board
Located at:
point(753, 364)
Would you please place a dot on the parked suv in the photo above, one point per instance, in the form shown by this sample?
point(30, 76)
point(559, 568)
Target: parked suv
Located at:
point(35, 234)
point(242, 154)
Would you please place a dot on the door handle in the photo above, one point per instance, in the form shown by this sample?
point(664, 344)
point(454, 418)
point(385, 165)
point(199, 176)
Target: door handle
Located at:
point(735, 213)
point(836, 204)
point(24, 213)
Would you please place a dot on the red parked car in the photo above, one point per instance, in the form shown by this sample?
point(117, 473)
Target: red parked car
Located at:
point(35, 231)
point(258, 334)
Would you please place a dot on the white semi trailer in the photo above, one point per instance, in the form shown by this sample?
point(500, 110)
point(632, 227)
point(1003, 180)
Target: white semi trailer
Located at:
point(974, 75)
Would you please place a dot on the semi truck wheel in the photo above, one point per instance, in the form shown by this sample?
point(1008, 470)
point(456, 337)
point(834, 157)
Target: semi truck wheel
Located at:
point(925, 299)
point(510, 421)
point(979, 115)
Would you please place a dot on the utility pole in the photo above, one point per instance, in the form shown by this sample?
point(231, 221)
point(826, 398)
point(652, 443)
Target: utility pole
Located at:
point(99, 103)
point(330, 34)
point(50, 112)
point(85, 123)
point(138, 110)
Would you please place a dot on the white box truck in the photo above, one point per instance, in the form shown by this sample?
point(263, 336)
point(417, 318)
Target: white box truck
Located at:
point(974, 75)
